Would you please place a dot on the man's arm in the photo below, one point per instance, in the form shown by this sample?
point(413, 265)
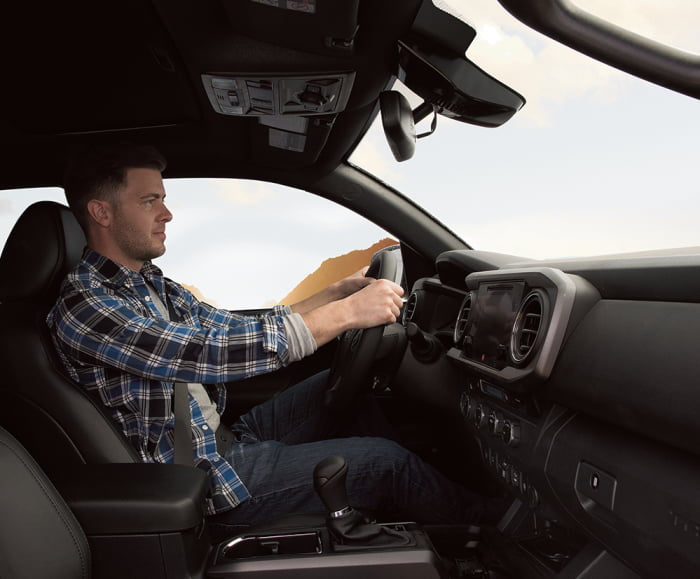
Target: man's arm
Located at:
point(97, 329)
point(377, 303)
point(334, 292)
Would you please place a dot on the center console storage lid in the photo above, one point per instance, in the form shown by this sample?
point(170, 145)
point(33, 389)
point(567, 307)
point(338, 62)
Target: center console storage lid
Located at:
point(135, 498)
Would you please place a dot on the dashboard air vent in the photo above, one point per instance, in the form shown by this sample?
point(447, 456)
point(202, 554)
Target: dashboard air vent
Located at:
point(462, 323)
point(529, 326)
point(409, 308)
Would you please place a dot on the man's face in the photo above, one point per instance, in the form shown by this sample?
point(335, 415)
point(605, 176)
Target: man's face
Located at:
point(139, 218)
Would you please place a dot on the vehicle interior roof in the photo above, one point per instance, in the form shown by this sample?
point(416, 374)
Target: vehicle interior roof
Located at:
point(80, 71)
point(131, 71)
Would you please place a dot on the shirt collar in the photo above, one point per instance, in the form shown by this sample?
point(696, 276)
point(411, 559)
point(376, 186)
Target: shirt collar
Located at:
point(116, 274)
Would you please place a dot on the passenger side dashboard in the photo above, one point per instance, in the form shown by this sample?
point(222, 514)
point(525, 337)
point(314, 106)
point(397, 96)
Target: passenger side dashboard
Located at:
point(584, 405)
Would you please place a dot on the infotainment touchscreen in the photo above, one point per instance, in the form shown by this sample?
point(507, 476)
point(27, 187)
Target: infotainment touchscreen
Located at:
point(492, 316)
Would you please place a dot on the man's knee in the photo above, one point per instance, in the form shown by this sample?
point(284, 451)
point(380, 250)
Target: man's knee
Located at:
point(378, 457)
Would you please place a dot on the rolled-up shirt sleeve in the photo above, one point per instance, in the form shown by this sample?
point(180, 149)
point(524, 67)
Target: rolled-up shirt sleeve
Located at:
point(299, 338)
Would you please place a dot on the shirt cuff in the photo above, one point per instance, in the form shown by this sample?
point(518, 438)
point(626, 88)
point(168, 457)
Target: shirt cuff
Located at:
point(300, 341)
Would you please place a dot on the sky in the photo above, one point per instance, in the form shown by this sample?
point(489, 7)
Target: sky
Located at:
point(597, 162)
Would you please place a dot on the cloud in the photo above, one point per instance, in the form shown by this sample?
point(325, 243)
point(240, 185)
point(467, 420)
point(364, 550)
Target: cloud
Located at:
point(545, 72)
point(550, 74)
point(373, 154)
point(230, 191)
point(565, 231)
point(674, 23)
point(6, 206)
point(243, 192)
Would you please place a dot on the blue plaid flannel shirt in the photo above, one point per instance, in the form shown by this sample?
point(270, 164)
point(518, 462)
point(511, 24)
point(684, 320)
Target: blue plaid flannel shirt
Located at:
point(112, 340)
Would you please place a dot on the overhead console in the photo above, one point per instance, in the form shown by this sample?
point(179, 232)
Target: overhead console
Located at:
point(512, 324)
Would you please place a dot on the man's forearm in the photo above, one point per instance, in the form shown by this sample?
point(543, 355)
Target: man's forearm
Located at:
point(325, 296)
point(328, 321)
point(336, 291)
point(378, 303)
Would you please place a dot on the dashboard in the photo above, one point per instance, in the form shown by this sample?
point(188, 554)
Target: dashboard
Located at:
point(578, 383)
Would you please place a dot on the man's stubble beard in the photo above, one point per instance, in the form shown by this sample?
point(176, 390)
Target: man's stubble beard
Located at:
point(134, 243)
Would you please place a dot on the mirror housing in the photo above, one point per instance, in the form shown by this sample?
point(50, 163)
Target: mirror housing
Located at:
point(457, 87)
point(433, 65)
point(398, 123)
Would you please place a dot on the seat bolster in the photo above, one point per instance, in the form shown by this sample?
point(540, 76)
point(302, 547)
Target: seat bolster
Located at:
point(43, 246)
point(41, 537)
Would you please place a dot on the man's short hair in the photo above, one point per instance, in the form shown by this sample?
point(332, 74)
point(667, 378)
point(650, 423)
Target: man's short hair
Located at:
point(97, 172)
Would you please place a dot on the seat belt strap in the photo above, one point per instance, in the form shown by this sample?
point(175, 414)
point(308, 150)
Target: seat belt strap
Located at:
point(183, 429)
point(184, 449)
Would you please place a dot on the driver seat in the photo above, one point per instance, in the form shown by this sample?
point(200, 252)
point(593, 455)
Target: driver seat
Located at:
point(54, 418)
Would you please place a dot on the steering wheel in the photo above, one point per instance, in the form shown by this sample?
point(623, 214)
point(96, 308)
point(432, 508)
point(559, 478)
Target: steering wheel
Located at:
point(351, 370)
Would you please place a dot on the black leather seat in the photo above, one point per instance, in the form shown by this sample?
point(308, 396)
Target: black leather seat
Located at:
point(39, 536)
point(53, 418)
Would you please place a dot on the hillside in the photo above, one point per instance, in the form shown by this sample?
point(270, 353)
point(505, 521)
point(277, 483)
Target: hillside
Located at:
point(333, 269)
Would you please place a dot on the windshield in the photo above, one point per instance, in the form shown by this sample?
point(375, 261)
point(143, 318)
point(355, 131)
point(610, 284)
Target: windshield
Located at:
point(597, 162)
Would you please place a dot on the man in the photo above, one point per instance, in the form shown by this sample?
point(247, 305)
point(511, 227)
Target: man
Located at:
point(128, 333)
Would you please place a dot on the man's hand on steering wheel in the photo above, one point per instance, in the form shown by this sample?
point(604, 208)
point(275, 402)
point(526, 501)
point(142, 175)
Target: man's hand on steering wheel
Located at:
point(370, 310)
point(377, 304)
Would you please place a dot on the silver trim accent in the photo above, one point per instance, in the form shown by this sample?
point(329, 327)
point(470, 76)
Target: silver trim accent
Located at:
point(560, 313)
point(341, 513)
point(232, 543)
point(410, 305)
point(520, 326)
point(462, 323)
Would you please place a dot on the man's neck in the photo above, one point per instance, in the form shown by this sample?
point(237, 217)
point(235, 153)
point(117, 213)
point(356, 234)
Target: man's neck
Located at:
point(116, 256)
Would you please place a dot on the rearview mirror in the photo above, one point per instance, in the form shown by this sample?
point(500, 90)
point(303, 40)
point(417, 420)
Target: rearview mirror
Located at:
point(399, 125)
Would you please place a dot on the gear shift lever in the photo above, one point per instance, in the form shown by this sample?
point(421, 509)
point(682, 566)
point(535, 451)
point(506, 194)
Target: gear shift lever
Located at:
point(347, 525)
point(329, 482)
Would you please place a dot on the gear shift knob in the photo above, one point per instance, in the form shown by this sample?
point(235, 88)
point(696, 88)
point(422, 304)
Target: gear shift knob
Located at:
point(346, 525)
point(329, 482)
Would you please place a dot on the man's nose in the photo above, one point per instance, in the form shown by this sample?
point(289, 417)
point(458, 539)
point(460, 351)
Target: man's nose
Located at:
point(166, 215)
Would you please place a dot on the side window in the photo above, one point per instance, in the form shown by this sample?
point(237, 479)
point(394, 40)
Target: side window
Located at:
point(247, 244)
point(13, 202)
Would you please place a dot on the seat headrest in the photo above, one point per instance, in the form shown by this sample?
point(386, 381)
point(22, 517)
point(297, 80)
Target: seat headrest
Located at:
point(43, 246)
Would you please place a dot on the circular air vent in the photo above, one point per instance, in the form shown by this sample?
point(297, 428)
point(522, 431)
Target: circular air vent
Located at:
point(529, 326)
point(409, 308)
point(462, 323)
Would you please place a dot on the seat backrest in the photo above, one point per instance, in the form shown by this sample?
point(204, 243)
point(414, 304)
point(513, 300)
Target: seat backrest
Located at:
point(54, 418)
point(39, 536)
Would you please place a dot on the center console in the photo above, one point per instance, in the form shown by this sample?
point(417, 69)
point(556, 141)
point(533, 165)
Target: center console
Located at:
point(146, 521)
point(313, 552)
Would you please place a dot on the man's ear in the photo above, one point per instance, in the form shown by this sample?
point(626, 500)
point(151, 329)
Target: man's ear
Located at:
point(100, 212)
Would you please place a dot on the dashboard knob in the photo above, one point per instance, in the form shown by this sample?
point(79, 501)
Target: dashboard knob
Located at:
point(511, 433)
point(465, 404)
point(495, 423)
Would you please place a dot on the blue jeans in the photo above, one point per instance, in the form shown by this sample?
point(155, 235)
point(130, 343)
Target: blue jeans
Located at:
point(278, 444)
